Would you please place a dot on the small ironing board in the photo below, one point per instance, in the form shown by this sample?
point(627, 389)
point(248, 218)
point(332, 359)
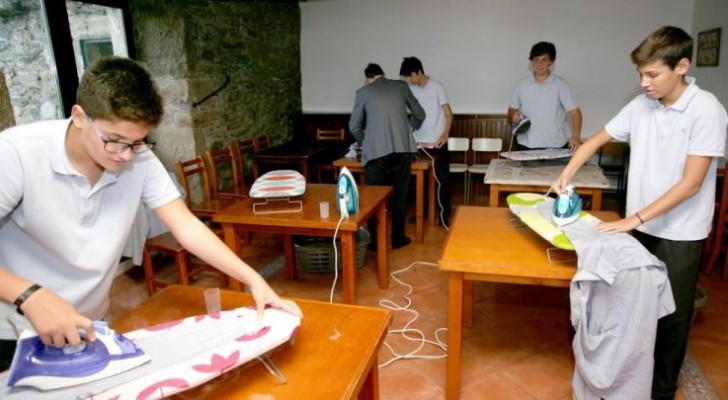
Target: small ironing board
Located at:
point(530, 209)
point(184, 354)
point(280, 185)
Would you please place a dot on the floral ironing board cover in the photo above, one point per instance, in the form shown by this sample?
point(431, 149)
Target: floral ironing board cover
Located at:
point(535, 210)
point(184, 354)
point(280, 183)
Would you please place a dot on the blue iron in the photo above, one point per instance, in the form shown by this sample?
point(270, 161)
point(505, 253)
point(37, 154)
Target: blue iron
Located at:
point(347, 195)
point(567, 206)
point(51, 367)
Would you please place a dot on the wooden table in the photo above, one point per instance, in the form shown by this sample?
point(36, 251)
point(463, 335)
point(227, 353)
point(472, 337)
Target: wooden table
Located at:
point(372, 202)
point(291, 154)
point(489, 244)
point(419, 166)
point(537, 176)
point(333, 357)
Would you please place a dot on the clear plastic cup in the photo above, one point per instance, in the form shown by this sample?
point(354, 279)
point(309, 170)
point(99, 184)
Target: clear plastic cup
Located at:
point(212, 300)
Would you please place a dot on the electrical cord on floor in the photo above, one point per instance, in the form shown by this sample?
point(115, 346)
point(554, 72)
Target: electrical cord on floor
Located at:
point(411, 334)
point(439, 185)
point(336, 258)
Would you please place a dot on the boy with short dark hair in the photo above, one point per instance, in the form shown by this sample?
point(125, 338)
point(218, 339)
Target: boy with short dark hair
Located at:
point(676, 133)
point(546, 99)
point(432, 135)
point(69, 192)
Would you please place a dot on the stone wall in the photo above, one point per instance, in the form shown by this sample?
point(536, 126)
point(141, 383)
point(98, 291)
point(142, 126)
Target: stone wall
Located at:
point(190, 47)
point(26, 59)
point(194, 47)
point(7, 118)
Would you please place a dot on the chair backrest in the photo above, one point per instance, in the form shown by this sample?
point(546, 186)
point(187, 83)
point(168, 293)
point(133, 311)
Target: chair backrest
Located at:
point(330, 134)
point(241, 148)
point(456, 144)
point(262, 142)
point(223, 170)
point(190, 170)
point(485, 149)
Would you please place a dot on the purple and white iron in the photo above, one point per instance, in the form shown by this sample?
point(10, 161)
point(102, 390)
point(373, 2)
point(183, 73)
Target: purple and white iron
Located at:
point(51, 367)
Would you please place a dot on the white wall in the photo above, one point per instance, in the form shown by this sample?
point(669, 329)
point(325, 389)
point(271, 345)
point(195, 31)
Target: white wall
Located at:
point(479, 48)
point(711, 14)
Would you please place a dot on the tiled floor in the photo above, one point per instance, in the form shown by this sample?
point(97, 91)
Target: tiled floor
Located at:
point(518, 348)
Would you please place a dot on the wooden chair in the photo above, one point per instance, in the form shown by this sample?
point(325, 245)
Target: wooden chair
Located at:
point(241, 149)
point(186, 269)
point(332, 135)
point(613, 159)
point(224, 176)
point(262, 142)
point(187, 172)
point(714, 244)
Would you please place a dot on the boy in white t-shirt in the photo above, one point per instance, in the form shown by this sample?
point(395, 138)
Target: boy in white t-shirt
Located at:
point(69, 192)
point(432, 135)
point(676, 132)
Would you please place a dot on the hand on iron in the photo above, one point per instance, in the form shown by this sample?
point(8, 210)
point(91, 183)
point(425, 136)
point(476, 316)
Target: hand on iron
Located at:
point(265, 296)
point(55, 320)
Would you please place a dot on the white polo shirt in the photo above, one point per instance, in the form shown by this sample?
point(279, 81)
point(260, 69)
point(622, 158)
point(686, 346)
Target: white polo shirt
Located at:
point(58, 231)
point(661, 138)
point(545, 104)
point(431, 97)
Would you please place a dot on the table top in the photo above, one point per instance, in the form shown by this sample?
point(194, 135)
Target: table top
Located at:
point(355, 162)
point(492, 241)
point(335, 349)
point(295, 150)
point(370, 199)
point(508, 172)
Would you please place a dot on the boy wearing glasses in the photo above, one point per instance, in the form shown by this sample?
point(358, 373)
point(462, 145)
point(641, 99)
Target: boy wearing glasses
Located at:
point(69, 191)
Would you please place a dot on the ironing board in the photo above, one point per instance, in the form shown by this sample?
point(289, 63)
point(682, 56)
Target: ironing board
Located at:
point(534, 210)
point(184, 354)
point(532, 155)
point(279, 185)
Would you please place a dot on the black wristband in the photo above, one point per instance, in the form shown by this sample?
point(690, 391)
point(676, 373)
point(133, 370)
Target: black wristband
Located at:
point(639, 218)
point(24, 296)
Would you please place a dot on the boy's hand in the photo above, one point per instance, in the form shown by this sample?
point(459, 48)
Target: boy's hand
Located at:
point(622, 225)
point(55, 320)
point(265, 296)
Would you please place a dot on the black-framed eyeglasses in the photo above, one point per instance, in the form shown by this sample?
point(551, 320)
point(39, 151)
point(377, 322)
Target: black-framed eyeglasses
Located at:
point(118, 147)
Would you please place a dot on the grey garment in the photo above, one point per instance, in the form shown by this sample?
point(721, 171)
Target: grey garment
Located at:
point(379, 120)
point(617, 295)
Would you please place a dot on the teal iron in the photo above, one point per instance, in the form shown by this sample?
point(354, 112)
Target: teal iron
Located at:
point(567, 206)
point(347, 195)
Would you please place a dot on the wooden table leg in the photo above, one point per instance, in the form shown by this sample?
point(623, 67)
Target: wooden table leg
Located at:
point(420, 206)
point(596, 200)
point(468, 296)
point(454, 335)
point(232, 242)
point(348, 266)
point(431, 196)
point(370, 389)
point(494, 194)
point(290, 257)
point(382, 247)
